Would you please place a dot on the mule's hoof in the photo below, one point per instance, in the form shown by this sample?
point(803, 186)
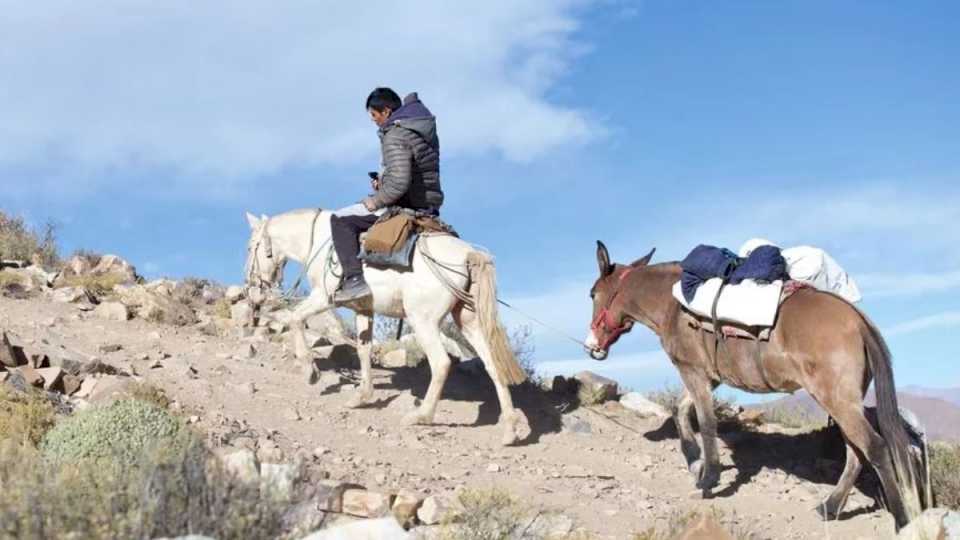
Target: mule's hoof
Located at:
point(708, 478)
point(824, 513)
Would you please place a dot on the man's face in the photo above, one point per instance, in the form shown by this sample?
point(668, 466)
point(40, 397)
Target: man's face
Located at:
point(379, 117)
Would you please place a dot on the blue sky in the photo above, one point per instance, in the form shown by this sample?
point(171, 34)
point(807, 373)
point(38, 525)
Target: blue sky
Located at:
point(147, 130)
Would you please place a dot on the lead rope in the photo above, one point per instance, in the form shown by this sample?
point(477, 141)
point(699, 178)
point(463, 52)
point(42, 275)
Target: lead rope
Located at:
point(467, 298)
point(292, 291)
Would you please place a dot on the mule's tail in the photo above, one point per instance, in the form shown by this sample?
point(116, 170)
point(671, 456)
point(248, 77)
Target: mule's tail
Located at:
point(484, 276)
point(909, 478)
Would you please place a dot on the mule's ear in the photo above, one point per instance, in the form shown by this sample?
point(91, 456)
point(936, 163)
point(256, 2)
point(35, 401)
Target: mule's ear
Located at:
point(253, 220)
point(603, 259)
point(643, 261)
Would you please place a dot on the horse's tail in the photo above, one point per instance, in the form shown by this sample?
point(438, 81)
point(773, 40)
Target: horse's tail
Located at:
point(484, 276)
point(891, 424)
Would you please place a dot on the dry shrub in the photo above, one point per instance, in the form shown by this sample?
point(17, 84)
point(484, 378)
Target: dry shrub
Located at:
point(221, 308)
point(679, 522)
point(486, 515)
point(99, 285)
point(945, 474)
point(24, 417)
point(20, 242)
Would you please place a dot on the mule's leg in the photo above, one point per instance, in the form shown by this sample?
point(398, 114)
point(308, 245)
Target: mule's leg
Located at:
point(701, 390)
point(510, 417)
point(364, 344)
point(858, 431)
point(688, 439)
point(427, 333)
point(830, 508)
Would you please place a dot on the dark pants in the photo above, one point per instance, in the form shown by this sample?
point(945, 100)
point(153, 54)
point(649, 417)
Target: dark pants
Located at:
point(346, 240)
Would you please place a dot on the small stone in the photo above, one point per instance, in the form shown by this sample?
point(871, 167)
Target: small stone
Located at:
point(193, 419)
point(638, 403)
point(320, 451)
point(110, 347)
point(155, 336)
point(248, 389)
point(493, 468)
point(52, 378)
point(190, 372)
point(293, 414)
point(248, 351)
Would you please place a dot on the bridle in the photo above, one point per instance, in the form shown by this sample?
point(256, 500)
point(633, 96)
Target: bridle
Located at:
point(254, 276)
point(611, 329)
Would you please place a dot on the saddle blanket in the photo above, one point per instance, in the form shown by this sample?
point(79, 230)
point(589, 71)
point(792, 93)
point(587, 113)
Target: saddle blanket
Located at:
point(748, 303)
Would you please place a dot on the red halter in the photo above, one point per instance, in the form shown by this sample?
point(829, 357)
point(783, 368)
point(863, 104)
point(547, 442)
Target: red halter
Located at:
point(604, 320)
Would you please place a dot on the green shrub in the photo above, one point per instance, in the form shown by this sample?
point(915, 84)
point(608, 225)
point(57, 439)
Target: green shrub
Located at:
point(24, 417)
point(173, 491)
point(19, 242)
point(120, 433)
point(945, 474)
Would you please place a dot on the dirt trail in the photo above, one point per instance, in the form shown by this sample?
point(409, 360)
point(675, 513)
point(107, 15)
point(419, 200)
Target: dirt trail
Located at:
point(611, 471)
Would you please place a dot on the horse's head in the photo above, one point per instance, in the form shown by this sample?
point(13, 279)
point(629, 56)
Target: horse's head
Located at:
point(263, 269)
point(610, 319)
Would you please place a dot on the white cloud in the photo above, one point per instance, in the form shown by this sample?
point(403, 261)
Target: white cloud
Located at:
point(219, 92)
point(881, 285)
point(947, 319)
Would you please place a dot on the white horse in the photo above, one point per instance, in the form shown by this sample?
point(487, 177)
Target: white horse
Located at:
point(448, 276)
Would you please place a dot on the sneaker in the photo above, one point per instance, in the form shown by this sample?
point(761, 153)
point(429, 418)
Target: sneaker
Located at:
point(353, 289)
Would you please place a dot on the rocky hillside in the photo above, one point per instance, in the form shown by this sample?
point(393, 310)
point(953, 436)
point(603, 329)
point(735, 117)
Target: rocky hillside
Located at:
point(594, 465)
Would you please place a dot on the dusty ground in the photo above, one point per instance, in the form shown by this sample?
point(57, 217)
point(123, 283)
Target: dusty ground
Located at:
point(611, 471)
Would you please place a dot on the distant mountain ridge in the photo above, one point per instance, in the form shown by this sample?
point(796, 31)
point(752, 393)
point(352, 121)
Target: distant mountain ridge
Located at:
point(937, 408)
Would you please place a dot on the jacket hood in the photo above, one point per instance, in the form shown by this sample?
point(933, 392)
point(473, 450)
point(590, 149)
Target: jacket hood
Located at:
point(415, 116)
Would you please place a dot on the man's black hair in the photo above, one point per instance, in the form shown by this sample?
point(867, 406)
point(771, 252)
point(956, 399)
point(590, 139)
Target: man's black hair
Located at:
point(383, 98)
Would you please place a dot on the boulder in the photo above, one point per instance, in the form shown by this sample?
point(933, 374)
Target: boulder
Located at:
point(243, 465)
point(11, 355)
point(31, 278)
point(436, 508)
point(934, 523)
point(154, 307)
point(241, 313)
point(638, 403)
point(116, 266)
point(595, 388)
point(30, 375)
point(70, 295)
point(162, 287)
point(366, 504)
point(234, 294)
point(52, 378)
point(405, 506)
point(112, 311)
point(394, 359)
point(369, 529)
point(329, 325)
point(704, 528)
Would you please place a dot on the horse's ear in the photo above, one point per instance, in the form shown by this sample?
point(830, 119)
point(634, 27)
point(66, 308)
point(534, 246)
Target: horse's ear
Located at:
point(603, 259)
point(253, 220)
point(263, 218)
point(643, 261)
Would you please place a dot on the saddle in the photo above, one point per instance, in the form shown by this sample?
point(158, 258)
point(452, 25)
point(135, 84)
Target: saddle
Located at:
point(391, 241)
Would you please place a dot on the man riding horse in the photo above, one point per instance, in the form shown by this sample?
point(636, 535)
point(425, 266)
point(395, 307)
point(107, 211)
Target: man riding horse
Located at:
point(409, 178)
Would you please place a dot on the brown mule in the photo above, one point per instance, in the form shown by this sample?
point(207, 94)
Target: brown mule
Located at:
point(820, 343)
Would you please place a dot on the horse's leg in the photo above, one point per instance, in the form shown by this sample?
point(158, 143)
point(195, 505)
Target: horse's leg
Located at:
point(701, 390)
point(688, 439)
point(510, 417)
point(316, 302)
point(364, 344)
point(858, 431)
point(427, 332)
point(830, 508)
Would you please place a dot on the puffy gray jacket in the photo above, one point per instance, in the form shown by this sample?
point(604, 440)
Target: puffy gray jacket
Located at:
point(410, 149)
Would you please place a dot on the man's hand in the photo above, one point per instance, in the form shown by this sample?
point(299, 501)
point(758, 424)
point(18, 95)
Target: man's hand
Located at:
point(369, 204)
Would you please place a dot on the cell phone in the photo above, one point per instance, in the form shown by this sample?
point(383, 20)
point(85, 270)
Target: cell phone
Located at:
point(373, 175)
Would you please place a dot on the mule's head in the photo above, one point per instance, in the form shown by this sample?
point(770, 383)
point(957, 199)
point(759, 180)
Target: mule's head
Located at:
point(610, 318)
point(262, 268)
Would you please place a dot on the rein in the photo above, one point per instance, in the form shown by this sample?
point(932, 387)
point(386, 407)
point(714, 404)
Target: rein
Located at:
point(604, 320)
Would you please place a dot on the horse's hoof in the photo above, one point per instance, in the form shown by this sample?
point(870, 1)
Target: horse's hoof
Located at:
point(415, 418)
point(358, 400)
point(509, 437)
